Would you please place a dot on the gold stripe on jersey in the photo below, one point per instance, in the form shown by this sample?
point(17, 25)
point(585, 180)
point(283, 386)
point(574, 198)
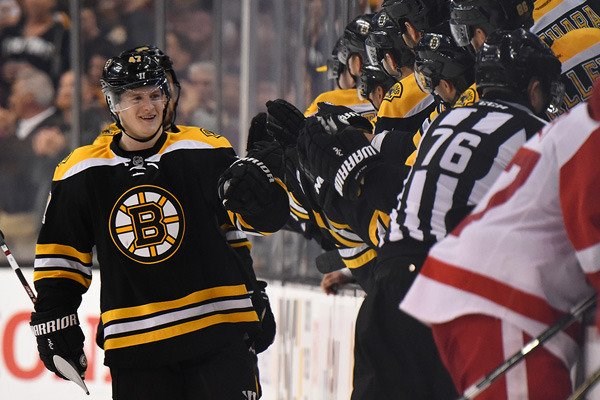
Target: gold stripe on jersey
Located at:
point(378, 225)
point(343, 97)
point(54, 261)
point(554, 18)
point(358, 256)
point(574, 43)
point(340, 232)
point(191, 299)
point(338, 225)
point(235, 238)
point(61, 274)
point(242, 225)
point(62, 250)
point(152, 322)
point(579, 54)
point(178, 330)
point(297, 209)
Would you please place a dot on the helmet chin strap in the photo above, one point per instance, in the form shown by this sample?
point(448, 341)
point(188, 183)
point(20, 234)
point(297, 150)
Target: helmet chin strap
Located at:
point(137, 139)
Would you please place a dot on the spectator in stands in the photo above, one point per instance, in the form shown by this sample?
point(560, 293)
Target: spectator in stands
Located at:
point(198, 106)
point(111, 24)
point(180, 51)
point(93, 72)
point(31, 148)
point(93, 117)
point(40, 38)
point(10, 12)
point(92, 39)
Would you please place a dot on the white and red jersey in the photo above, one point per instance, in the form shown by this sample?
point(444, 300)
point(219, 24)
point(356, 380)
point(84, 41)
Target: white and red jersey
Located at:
point(530, 251)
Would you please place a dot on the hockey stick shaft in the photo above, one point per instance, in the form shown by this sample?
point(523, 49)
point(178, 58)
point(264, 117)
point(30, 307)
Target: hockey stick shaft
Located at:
point(15, 267)
point(474, 390)
point(585, 386)
point(64, 366)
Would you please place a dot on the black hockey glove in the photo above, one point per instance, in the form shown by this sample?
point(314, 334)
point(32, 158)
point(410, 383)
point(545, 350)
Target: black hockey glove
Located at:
point(266, 336)
point(246, 186)
point(284, 121)
point(282, 161)
point(336, 118)
point(342, 159)
point(258, 131)
point(58, 334)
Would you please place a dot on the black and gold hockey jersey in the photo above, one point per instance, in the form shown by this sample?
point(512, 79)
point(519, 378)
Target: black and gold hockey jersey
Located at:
point(404, 107)
point(579, 54)
point(343, 97)
point(554, 18)
point(172, 285)
point(355, 234)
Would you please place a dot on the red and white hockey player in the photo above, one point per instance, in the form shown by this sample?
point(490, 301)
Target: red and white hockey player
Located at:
point(523, 258)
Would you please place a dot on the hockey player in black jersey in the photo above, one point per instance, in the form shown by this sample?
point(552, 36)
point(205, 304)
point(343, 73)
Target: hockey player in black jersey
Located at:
point(472, 21)
point(459, 157)
point(174, 300)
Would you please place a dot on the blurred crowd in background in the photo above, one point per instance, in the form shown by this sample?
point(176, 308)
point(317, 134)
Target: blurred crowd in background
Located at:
point(289, 41)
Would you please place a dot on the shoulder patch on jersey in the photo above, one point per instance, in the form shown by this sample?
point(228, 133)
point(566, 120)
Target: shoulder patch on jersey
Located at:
point(395, 91)
point(467, 98)
point(197, 134)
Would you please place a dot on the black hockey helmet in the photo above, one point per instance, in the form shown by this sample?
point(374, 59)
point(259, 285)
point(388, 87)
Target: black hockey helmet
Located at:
point(437, 58)
point(510, 59)
point(353, 38)
point(372, 76)
point(387, 38)
point(488, 15)
point(130, 72)
point(423, 14)
point(334, 66)
point(174, 87)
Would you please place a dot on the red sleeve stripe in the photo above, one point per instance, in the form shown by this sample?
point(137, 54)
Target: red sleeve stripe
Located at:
point(506, 296)
point(580, 194)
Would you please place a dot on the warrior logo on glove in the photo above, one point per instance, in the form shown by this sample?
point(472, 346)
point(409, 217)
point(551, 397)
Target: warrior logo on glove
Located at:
point(350, 164)
point(55, 325)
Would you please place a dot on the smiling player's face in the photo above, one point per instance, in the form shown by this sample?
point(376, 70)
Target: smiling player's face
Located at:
point(141, 111)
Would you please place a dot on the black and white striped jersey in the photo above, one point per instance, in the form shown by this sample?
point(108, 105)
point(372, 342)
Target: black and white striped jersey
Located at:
point(460, 156)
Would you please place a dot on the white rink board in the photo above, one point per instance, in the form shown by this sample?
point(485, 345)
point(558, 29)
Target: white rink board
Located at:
point(310, 359)
point(304, 362)
point(22, 374)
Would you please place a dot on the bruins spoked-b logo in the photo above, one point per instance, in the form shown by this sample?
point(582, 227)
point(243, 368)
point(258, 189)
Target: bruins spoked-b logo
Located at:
point(147, 224)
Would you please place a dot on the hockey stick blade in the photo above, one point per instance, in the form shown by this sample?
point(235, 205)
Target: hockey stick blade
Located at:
point(475, 389)
point(69, 371)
